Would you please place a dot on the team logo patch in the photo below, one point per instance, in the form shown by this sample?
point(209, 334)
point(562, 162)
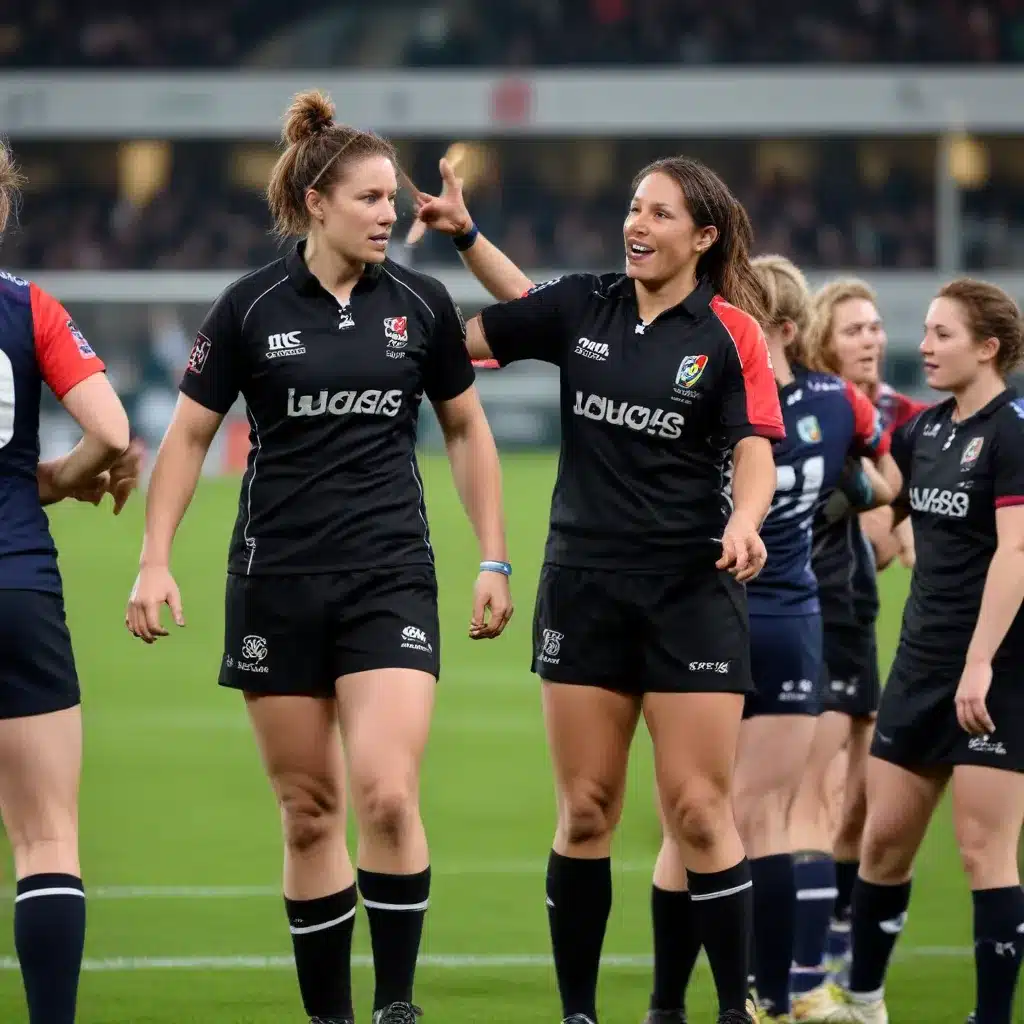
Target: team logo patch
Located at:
point(809, 429)
point(199, 354)
point(85, 350)
point(551, 644)
point(396, 330)
point(971, 452)
point(254, 648)
point(690, 371)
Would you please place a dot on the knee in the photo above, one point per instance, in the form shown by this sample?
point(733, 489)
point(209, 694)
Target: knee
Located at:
point(698, 814)
point(311, 813)
point(388, 808)
point(886, 853)
point(975, 843)
point(589, 812)
point(759, 809)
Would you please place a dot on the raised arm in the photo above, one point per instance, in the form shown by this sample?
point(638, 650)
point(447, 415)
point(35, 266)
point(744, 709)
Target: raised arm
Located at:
point(448, 214)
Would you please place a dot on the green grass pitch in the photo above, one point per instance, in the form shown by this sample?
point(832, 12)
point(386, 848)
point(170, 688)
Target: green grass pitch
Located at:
point(180, 839)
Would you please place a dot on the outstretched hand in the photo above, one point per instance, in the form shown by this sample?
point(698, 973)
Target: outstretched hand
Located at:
point(446, 212)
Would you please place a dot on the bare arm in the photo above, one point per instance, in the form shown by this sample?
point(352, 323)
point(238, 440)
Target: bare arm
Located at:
point(476, 471)
point(1004, 587)
point(95, 407)
point(448, 214)
point(753, 479)
point(176, 472)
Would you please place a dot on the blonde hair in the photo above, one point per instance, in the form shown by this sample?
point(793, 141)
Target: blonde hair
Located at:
point(317, 152)
point(789, 299)
point(10, 182)
point(820, 347)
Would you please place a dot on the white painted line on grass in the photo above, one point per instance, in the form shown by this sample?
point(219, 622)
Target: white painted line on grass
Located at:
point(453, 961)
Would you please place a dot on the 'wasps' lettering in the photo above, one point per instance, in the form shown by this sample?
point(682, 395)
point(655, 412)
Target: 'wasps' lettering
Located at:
point(940, 502)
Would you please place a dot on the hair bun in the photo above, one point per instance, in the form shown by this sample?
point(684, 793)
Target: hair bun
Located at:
point(310, 114)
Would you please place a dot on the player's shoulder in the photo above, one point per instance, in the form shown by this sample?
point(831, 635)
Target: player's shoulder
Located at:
point(431, 292)
point(16, 290)
point(244, 291)
point(1009, 417)
point(819, 382)
point(927, 421)
point(737, 322)
point(581, 286)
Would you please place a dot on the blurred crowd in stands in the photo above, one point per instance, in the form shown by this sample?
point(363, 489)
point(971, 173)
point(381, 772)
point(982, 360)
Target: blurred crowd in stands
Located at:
point(195, 33)
point(202, 221)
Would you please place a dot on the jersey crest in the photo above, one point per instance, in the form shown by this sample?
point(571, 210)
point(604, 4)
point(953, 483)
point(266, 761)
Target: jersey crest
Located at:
point(690, 370)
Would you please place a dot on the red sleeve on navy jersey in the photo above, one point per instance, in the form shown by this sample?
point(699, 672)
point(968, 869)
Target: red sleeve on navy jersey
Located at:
point(65, 358)
point(753, 399)
point(868, 436)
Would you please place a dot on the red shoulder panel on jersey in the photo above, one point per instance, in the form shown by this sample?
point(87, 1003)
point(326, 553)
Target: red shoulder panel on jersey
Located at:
point(1008, 500)
point(868, 431)
point(65, 358)
point(763, 410)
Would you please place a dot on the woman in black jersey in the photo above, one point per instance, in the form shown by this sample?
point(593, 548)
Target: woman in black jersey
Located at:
point(952, 711)
point(331, 624)
point(664, 373)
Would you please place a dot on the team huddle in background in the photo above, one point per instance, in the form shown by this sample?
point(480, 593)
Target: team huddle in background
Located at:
point(733, 474)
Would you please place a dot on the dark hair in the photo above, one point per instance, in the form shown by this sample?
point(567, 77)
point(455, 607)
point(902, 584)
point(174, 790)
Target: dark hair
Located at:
point(317, 153)
point(10, 182)
point(990, 313)
point(727, 263)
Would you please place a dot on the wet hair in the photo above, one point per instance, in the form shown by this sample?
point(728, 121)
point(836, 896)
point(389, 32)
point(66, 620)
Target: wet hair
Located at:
point(10, 182)
point(818, 343)
point(990, 313)
point(709, 202)
point(317, 153)
point(789, 299)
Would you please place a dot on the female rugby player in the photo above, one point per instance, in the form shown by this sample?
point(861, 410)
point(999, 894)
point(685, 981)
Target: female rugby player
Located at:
point(665, 373)
point(331, 610)
point(952, 709)
point(846, 337)
point(40, 700)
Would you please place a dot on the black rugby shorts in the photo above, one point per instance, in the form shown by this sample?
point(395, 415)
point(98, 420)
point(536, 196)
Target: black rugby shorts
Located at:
point(852, 683)
point(288, 634)
point(639, 632)
point(917, 725)
point(37, 665)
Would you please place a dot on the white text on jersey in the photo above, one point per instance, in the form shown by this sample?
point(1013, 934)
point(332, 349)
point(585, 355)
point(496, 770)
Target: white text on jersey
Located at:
point(592, 349)
point(636, 417)
point(287, 344)
point(342, 403)
point(940, 502)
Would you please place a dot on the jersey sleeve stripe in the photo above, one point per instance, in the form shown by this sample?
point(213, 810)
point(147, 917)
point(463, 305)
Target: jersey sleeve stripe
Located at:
point(762, 396)
point(398, 280)
point(260, 296)
point(1008, 500)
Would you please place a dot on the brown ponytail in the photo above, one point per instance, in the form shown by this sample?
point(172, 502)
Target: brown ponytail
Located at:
point(317, 152)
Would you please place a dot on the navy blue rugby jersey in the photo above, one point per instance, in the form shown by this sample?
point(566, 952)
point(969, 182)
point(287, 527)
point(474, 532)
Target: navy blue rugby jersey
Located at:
point(39, 343)
point(826, 419)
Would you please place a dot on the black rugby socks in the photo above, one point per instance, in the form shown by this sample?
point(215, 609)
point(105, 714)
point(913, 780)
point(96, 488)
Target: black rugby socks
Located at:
point(322, 940)
point(49, 937)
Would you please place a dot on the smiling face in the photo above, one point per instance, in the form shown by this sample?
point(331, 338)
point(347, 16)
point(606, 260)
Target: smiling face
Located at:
point(357, 213)
point(858, 341)
point(661, 239)
point(952, 358)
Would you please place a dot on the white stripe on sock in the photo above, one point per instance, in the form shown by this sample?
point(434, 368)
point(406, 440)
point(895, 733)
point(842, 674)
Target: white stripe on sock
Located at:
point(721, 893)
point(868, 997)
point(310, 928)
point(374, 905)
point(57, 891)
point(803, 895)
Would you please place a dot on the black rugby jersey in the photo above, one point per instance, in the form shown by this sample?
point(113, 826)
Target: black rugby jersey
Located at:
point(955, 477)
point(332, 394)
point(649, 412)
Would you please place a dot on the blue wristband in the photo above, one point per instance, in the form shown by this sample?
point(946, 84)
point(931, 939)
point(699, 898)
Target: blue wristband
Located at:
point(465, 241)
point(504, 568)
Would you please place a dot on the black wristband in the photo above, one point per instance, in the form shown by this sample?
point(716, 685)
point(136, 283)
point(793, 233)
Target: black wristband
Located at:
point(464, 241)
